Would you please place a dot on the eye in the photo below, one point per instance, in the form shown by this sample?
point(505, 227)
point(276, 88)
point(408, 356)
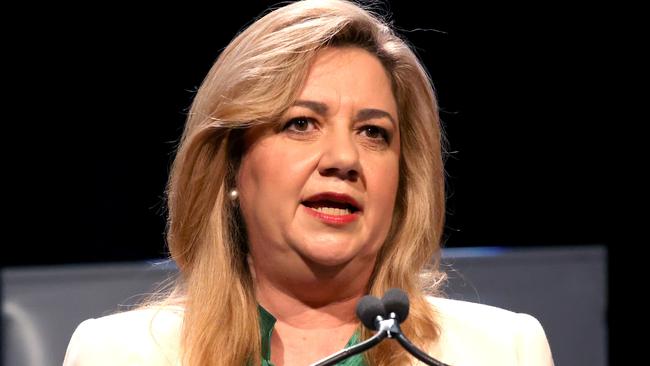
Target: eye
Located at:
point(375, 133)
point(299, 124)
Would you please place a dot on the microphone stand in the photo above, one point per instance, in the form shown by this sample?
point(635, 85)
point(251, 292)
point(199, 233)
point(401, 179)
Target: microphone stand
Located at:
point(388, 328)
point(354, 350)
point(394, 331)
point(416, 352)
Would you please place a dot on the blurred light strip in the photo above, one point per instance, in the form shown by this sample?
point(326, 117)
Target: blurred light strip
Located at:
point(472, 252)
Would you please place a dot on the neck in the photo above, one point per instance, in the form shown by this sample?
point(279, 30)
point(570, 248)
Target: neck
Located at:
point(289, 310)
point(322, 301)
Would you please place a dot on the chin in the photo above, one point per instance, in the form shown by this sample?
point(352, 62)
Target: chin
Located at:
point(334, 250)
point(328, 258)
point(336, 257)
point(328, 254)
point(327, 261)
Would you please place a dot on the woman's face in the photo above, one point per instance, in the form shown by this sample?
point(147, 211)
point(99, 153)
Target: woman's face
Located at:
point(320, 188)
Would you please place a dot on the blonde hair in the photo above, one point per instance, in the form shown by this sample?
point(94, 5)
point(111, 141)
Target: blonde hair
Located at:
point(254, 80)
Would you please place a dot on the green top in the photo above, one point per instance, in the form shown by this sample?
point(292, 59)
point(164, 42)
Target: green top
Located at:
point(267, 321)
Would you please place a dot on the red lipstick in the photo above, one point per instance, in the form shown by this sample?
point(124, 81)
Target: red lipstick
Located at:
point(314, 204)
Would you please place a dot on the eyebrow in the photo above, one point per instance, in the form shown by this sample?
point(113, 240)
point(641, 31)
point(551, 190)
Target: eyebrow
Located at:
point(362, 115)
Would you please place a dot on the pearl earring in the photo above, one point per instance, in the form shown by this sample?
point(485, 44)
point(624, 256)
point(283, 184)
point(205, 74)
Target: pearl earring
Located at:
point(233, 195)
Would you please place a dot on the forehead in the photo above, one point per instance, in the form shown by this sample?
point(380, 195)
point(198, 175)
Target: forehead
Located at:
point(347, 61)
point(349, 75)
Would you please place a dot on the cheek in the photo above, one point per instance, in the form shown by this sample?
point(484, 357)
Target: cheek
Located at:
point(382, 189)
point(255, 177)
point(270, 174)
point(259, 182)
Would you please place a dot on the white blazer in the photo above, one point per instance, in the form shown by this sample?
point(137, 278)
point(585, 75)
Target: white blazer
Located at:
point(471, 335)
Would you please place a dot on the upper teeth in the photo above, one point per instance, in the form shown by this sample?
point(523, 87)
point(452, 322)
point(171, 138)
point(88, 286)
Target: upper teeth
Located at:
point(333, 210)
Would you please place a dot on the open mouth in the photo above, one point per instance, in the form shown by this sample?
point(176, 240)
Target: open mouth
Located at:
point(333, 204)
point(331, 207)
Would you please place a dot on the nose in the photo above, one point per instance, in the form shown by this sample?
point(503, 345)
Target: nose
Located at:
point(340, 156)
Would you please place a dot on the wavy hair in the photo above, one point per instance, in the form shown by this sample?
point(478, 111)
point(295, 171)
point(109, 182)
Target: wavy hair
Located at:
point(254, 80)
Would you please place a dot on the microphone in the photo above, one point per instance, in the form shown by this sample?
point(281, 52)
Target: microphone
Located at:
point(371, 310)
point(383, 316)
point(396, 303)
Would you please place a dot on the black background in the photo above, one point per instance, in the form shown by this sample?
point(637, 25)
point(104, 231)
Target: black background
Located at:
point(102, 93)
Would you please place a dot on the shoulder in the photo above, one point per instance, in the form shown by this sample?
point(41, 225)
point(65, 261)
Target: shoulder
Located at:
point(474, 333)
point(143, 336)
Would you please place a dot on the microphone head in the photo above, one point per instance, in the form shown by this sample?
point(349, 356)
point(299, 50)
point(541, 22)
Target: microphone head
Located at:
point(367, 310)
point(396, 301)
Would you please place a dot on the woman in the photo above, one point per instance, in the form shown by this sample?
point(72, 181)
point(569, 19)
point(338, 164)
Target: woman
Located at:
point(309, 174)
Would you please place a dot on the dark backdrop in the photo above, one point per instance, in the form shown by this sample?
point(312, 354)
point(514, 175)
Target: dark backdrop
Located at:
point(520, 90)
point(105, 91)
